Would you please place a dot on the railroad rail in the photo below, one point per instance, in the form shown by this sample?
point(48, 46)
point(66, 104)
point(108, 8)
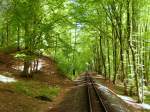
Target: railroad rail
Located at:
point(95, 101)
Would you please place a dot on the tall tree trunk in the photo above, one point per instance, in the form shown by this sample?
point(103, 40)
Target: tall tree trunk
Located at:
point(108, 58)
point(26, 69)
point(7, 34)
point(114, 45)
point(18, 38)
point(102, 55)
point(134, 30)
point(26, 61)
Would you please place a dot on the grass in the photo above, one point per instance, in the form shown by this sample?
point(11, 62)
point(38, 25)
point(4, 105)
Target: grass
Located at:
point(147, 99)
point(8, 49)
point(35, 89)
point(119, 89)
point(147, 96)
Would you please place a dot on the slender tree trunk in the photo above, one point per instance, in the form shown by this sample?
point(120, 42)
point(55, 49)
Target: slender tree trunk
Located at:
point(26, 62)
point(37, 65)
point(108, 58)
point(2, 39)
point(18, 39)
point(26, 68)
point(7, 34)
point(102, 55)
point(114, 58)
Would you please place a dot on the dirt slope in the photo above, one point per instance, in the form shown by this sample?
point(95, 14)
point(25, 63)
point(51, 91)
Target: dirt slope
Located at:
point(11, 101)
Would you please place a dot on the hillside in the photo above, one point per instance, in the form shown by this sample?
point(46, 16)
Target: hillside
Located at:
point(35, 94)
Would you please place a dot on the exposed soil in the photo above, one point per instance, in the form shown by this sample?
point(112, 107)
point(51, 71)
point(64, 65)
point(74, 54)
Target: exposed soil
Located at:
point(12, 102)
point(51, 74)
point(48, 74)
point(75, 99)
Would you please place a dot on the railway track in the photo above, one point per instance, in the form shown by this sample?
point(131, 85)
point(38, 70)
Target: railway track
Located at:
point(94, 100)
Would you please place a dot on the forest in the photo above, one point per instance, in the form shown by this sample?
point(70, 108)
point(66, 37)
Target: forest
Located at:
point(108, 37)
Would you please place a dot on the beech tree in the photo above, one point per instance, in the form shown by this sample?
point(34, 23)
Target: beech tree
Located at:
point(110, 37)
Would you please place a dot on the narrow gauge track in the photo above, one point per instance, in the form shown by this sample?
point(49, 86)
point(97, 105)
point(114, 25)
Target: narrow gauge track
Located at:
point(95, 102)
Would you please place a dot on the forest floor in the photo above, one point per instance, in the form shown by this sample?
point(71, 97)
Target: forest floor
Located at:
point(21, 96)
point(74, 100)
point(118, 91)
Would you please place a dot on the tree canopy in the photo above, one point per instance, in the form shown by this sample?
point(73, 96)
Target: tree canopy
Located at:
point(110, 37)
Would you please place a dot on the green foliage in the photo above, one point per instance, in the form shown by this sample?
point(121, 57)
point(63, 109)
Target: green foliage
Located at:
point(110, 37)
point(35, 89)
point(24, 55)
point(147, 95)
